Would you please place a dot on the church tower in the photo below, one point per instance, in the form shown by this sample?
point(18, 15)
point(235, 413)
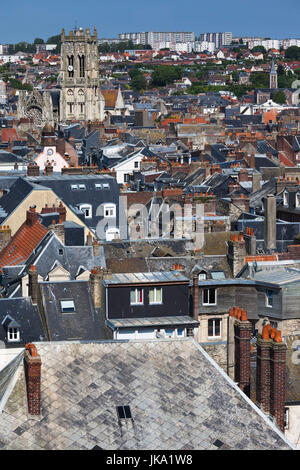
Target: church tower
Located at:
point(273, 76)
point(80, 97)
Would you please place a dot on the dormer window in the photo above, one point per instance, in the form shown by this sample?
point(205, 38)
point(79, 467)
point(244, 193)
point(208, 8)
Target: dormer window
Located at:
point(109, 210)
point(285, 198)
point(297, 200)
point(13, 334)
point(202, 276)
point(12, 329)
point(87, 210)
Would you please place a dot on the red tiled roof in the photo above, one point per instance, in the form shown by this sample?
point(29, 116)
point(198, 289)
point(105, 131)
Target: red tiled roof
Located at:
point(273, 257)
point(22, 244)
point(8, 134)
point(286, 161)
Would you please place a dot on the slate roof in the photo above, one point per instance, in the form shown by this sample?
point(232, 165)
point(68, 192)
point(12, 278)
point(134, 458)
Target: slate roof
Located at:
point(268, 188)
point(179, 399)
point(145, 278)
point(85, 323)
point(52, 252)
point(62, 186)
point(21, 310)
point(18, 192)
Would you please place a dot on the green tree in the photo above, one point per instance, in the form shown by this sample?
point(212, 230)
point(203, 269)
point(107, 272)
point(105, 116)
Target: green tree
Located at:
point(259, 49)
point(260, 79)
point(279, 97)
point(138, 81)
point(55, 40)
point(292, 53)
point(165, 74)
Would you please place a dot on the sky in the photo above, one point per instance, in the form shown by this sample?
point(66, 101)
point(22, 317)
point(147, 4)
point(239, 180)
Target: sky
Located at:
point(24, 20)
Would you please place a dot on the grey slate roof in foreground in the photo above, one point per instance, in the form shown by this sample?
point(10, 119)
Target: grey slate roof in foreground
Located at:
point(179, 399)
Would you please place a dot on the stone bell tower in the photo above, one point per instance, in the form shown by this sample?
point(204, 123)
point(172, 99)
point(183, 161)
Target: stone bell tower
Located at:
point(80, 97)
point(273, 78)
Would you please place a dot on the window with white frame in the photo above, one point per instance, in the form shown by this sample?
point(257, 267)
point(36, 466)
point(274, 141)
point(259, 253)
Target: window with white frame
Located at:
point(13, 334)
point(269, 298)
point(214, 328)
point(209, 296)
point(136, 296)
point(155, 295)
point(297, 201)
point(202, 276)
point(169, 333)
point(285, 198)
point(109, 210)
point(87, 210)
point(180, 332)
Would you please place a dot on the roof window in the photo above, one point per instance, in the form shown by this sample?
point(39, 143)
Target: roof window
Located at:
point(124, 412)
point(67, 306)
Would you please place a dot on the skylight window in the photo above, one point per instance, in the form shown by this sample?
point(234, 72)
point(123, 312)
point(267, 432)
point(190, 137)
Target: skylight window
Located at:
point(124, 412)
point(74, 186)
point(67, 306)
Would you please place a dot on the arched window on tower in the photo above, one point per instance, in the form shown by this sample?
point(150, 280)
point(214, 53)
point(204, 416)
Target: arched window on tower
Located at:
point(81, 65)
point(71, 66)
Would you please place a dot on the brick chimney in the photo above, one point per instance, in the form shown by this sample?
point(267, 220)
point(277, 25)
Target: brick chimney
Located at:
point(58, 229)
point(236, 253)
point(242, 336)
point(31, 216)
point(271, 373)
point(62, 212)
point(256, 182)
point(243, 175)
point(241, 201)
point(89, 239)
point(270, 222)
point(33, 169)
point(263, 386)
point(33, 284)
point(250, 241)
point(32, 366)
point(96, 287)
point(49, 169)
point(96, 248)
point(195, 297)
point(5, 236)
point(278, 379)
point(230, 342)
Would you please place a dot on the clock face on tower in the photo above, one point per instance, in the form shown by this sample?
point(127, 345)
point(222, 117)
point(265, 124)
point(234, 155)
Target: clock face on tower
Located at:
point(49, 152)
point(70, 68)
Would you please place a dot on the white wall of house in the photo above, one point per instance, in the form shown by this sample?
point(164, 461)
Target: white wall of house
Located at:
point(128, 167)
point(49, 154)
point(292, 431)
